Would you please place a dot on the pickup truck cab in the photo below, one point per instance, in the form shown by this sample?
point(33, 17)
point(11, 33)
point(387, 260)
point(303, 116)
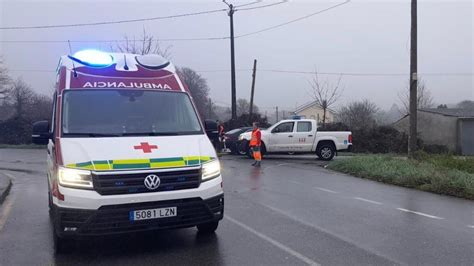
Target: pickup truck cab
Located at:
point(301, 136)
point(126, 150)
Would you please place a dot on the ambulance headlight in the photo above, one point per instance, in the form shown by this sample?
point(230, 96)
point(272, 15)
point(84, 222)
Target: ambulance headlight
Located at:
point(75, 178)
point(211, 170)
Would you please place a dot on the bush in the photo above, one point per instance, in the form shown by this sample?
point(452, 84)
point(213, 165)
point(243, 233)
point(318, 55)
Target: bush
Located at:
point(435, 149)
point(380, 139)
point(15, 131)
point(334, 127)
point(246, 120)
point(439, 174)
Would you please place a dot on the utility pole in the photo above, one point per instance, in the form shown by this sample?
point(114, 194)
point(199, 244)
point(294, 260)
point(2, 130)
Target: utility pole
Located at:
point(412, 139)
point(253, 87)
point(232, 60)
point(277, 114)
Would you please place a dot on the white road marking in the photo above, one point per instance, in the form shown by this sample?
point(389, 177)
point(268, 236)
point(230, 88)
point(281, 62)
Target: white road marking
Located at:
point(273, 242)
point(326, 190)
point(369, 201)
point(12, 177)
point(295, 182)
point(420, 213)
point(471, 226)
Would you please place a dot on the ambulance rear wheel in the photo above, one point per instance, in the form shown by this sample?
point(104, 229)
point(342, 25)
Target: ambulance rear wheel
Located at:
point(207, 228)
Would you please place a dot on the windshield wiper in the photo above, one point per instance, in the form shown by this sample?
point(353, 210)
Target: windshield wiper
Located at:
point(151, 134)
point(92, 135)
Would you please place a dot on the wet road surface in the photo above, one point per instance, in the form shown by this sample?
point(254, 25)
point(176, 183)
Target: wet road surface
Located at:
point(289, 212)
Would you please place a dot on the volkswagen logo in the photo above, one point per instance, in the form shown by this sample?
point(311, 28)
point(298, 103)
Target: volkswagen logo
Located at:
point(152, 182)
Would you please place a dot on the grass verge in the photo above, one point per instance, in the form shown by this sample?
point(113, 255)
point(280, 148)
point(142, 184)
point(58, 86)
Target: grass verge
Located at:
point(442, 174)
point(22, 146)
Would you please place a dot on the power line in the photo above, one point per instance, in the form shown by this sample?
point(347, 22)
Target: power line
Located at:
point(112, 22)
point(364, 74)
point(110, 41)
point(368, 74)
point(142, 20)
point(294, 20)
point(251, 3)
point(258, 7)
point(156, 18)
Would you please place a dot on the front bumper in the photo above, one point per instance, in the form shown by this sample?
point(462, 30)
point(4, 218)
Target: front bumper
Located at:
point(91, 200)
point(114, 219)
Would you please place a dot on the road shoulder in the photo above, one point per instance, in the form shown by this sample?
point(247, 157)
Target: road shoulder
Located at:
point(5, 185)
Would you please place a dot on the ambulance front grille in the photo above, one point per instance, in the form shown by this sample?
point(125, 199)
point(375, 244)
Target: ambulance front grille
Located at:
point(122, 183)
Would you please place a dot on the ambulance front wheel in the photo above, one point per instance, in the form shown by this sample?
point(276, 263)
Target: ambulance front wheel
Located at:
point(207, 228)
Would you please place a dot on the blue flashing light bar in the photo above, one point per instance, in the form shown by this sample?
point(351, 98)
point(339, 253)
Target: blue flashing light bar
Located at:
point(93, 58)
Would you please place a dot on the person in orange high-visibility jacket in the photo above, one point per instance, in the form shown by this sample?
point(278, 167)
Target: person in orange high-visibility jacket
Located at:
point(255, 143)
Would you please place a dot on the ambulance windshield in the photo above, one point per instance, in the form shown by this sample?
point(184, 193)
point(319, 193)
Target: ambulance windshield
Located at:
point(110, 112)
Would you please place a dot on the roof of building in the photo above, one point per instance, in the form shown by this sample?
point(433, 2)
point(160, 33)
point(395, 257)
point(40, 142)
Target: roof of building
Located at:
point(308, 105)
point(456, 112)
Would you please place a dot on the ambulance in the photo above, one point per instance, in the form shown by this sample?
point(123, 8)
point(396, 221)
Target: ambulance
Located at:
point(126, 150)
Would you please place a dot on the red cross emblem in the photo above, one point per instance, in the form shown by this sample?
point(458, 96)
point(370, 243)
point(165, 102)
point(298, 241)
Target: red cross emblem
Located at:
point(147, 148)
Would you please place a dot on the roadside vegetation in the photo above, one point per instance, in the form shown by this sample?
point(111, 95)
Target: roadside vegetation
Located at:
point(442, 174)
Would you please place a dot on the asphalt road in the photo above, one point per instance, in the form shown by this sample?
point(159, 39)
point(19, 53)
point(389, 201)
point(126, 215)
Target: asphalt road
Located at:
point(289, 212)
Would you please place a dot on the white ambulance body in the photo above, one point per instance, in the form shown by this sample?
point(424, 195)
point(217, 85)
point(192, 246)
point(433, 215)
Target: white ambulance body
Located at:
point(127, 151)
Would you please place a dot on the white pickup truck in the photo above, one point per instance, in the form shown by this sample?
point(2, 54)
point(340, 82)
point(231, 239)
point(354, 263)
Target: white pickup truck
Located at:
point(301, 136)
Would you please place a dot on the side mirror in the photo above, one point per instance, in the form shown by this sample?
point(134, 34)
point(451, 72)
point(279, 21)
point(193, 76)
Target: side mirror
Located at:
point(211, 129)
point(41, 133)
point(275, 130)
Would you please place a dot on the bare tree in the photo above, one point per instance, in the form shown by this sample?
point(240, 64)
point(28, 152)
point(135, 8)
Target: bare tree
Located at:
point(359, 115)
point(198, 87)
point(21, 96)
point(466, 104)
point(4, 82)
point(325, 93)
point(243, 107)
point(424, 98)
point(145, 44)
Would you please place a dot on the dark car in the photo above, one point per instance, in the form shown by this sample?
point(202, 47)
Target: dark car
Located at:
point(232, 139)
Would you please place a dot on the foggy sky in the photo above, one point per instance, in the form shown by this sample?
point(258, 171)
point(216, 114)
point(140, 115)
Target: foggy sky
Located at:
point(360, 37)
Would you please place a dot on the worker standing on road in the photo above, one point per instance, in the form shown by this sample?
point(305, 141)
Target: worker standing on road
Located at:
point(255, 143)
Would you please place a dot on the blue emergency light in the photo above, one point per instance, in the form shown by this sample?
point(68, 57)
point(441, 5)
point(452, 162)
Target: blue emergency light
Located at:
point(93, 58)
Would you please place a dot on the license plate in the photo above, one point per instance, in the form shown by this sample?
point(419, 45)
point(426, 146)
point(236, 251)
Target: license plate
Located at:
point(153, 213)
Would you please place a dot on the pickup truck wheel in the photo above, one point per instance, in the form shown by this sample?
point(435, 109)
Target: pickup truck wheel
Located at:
point(326, 152)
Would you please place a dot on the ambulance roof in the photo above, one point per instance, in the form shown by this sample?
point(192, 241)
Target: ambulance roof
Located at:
point(97, 69)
